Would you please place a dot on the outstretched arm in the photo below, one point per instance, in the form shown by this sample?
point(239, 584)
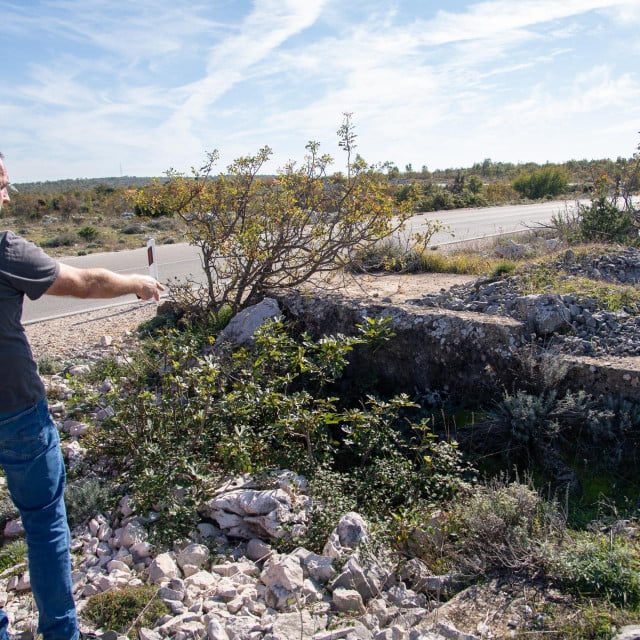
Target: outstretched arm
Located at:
point(102, 283)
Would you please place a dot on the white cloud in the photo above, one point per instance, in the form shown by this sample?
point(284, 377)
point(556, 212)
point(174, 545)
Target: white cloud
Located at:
point(270, 24)
point(154, 84)
point(487, 19)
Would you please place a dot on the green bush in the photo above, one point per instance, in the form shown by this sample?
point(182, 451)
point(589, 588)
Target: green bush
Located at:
point(183, 420)
point(175, 432)
point(331, 498)
point(62, 240)
point(603, 221)
point(133, 229)
point(127, 610)
point(13, 554)
point(88, 233)
point(85, 498)
point(49, 365)
point(541, 183)
point(598, 565)
point(493, 526)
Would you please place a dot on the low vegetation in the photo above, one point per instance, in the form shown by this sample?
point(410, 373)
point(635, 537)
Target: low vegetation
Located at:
point(126, 610)
point(485, 506)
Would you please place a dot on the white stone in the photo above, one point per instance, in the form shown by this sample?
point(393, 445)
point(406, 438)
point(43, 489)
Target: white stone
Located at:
point(244, 324)
point(118, 565)
point(24, 583)
point(193, 554)
point(258, 550)
point(162, 568)
point(345, 600)
point(125, 506)
point(298, 624)
point(215, 631)
point(13, 528)
point(79, 370)
point(131, 533)
point(201, 580)
point(141, 549)
point(283, 571)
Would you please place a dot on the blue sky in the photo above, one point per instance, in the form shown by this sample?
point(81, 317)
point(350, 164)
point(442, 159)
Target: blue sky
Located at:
point(96, 88)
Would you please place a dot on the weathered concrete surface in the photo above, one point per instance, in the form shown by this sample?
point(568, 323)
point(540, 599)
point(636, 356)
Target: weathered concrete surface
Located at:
point(466, 354)
point(471, 356)
point(616, 376)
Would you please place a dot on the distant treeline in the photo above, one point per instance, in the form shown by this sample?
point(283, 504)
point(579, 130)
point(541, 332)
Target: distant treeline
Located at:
point(577, 171)
point(484, 183)
point(83, 184)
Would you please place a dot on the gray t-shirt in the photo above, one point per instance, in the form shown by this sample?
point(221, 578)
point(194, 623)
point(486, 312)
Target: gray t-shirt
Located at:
point(24, 269)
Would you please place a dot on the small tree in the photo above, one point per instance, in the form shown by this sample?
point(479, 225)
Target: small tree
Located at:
point(602, 220)
point(257, 234)
point(541, 183)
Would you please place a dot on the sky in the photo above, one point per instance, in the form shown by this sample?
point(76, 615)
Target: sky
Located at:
point(97, 88)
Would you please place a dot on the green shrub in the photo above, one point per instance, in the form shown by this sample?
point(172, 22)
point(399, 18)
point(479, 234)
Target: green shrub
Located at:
point(62, 240)
point(493, 526)
point(603, 221)
point(127, 610)
point(49, 365)
point(331, 498)
point(601, 566)
point(541, 183)
point(189, 418)
point(88, 233)
point(133, 229)
point(85, 498)
point(12, 554)
point(503, 268)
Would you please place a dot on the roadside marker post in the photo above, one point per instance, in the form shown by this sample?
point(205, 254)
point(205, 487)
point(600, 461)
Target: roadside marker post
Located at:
point(151, 258)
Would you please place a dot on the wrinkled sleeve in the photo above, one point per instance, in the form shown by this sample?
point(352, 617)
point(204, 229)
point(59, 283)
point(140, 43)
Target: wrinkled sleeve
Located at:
point(28, 268)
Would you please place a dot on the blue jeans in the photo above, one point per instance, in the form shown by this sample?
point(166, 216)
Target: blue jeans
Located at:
point(31, 457)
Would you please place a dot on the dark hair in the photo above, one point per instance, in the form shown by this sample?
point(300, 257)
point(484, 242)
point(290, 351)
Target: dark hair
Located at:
point(1, 155)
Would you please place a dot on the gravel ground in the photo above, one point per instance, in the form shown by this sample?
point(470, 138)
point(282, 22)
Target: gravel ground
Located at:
point(73, 335)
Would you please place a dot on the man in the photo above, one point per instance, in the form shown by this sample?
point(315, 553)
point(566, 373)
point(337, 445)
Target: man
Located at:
point(29, 444)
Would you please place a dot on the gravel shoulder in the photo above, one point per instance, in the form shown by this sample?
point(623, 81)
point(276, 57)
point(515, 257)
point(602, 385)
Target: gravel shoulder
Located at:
point(72, 336)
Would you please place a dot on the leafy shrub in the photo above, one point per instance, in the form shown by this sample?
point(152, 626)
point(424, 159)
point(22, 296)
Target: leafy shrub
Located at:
point(331, 498)
point(596, 565)
point(88, 233)
point(62, 240)
point(268, 234)
point(493, 526)
point(437, 199)
point(541, 183)
point(602, 220)
point(500, 193)
point(126, 610)
point(183, 420)
point(12, 554)
point(502, 268)
point(86, 498)
point(201, 416)
point(387, 255)
point(133, 228)
point(48, 365)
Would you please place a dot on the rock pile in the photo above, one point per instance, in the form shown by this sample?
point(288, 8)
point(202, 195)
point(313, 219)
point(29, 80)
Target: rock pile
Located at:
point(229, 582)
point(565, 323)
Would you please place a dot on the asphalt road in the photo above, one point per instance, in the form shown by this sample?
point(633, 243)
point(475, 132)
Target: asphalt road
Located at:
point(182, 260)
